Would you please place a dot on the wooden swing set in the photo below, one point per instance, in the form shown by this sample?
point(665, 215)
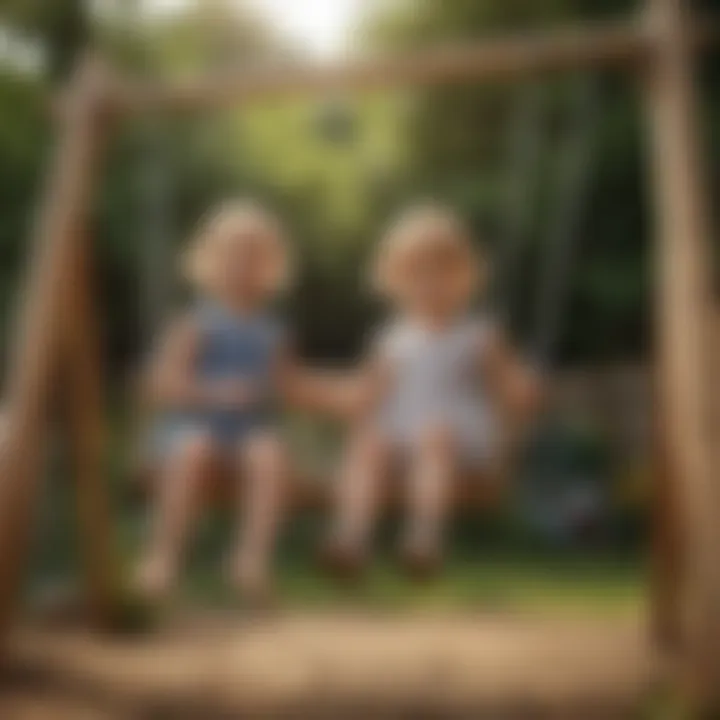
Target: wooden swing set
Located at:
point(55, 353)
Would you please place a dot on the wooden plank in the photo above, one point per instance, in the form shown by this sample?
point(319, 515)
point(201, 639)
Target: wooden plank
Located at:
point(34, 352)
point(456, 664)
point(683, 307)
point(308, 492)
point(83, 410)
point(615, 44)
point(491, 59)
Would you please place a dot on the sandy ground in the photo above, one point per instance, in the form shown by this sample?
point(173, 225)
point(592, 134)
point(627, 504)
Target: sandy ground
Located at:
point(336, 666)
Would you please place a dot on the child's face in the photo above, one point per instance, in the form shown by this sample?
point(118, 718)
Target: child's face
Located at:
point(242, 265)
point(433, 281)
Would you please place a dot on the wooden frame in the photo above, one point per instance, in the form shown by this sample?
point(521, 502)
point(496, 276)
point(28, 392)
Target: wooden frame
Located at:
point(660, 45)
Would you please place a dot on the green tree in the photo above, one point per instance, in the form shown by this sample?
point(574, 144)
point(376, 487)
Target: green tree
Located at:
point(459, 152)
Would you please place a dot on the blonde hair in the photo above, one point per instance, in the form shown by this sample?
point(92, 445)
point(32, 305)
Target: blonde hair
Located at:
point(427, 225)
point(229, 221)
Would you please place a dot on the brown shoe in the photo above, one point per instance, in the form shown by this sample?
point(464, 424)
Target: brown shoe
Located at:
point(154, 579)
point(342, 561)
point(252, 582)
point(421, 564)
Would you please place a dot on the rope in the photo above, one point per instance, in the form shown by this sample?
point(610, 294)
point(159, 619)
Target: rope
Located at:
point(154, 199)
point(574, 164)
point(156, 246)
point(523, 151)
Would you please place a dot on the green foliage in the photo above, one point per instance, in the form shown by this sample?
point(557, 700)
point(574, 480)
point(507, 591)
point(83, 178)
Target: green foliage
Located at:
point(459, 142)
point(24, 140)
point(336, 186)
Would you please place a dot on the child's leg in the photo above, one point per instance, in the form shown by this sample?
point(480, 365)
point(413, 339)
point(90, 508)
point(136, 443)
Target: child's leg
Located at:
point(433, 465)
point(175, 508)
point(264, 471)
point(364, 465)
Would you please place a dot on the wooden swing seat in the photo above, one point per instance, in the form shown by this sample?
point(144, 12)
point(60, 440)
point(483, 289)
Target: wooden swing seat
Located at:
point(305, 492)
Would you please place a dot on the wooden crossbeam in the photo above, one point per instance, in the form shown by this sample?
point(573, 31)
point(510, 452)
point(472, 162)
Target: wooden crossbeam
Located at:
point(495, 59)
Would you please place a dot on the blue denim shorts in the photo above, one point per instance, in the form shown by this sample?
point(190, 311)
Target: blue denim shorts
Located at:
point(224, 430)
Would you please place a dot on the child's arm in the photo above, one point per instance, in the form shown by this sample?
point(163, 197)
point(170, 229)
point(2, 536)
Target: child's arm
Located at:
point(171, 381)
point(347, 395)
point(516, 387)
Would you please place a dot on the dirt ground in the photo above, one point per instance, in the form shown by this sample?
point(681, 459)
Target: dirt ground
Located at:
point(338, 666)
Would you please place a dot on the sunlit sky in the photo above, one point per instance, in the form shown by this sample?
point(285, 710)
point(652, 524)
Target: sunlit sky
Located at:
point(321, 26)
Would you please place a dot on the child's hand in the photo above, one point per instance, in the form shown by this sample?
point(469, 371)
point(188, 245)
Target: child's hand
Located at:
point(519, 387)
point(234, 393)
point(528, 391)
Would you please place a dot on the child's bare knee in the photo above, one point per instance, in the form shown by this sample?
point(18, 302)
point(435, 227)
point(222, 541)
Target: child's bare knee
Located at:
point(369, 446)
point(197, 451)
point(437, 440)
point(265, 453)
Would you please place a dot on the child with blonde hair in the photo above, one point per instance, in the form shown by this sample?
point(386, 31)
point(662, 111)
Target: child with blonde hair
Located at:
point(435, 379)
point(214, 381)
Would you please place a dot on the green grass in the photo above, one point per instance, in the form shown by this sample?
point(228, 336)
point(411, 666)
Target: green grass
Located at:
point(489, 568)
point(497, 584)
point(481, 573)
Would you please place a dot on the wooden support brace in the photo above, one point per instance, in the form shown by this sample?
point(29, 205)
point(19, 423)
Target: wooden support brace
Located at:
point(34, 360)
point(82, 405)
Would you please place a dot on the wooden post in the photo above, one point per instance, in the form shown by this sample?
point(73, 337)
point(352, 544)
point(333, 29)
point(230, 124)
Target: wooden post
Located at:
point(83, 412)
point(35, 351)
point(683, 307)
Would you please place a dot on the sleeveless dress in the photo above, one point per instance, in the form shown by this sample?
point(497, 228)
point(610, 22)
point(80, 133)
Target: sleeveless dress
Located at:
point(436, 381)
point(231, 347)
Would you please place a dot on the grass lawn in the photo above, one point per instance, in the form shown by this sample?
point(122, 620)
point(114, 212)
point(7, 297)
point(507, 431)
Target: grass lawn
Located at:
point(491, 584)
point(479, 575)
point(483, 572)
